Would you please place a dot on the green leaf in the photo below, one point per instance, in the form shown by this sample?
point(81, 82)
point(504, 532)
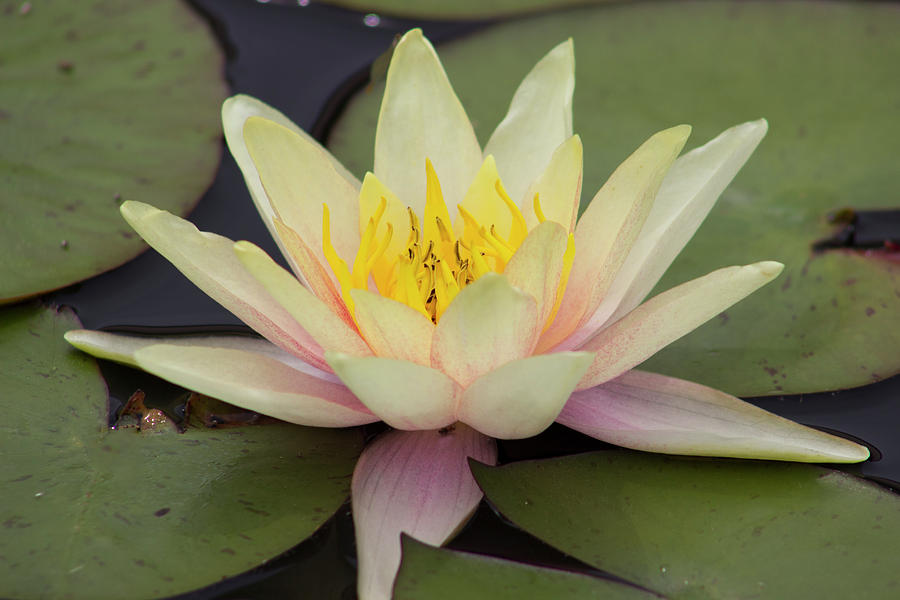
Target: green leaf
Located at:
point(704, 528)
point(101, 102)
point(823, 73)
point(428, 572)
point(160, 513)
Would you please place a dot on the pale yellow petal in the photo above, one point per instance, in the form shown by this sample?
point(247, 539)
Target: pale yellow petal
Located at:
point(403, 394)
point(668, 316)
point(488, 324)
point(608, 228)
point(420, 118)
point(483, 202)
point(255, 382)
point(523, 397)
point(299, 177)
point(536, 266)
point(558, 187)
point(539, 119)
point(208, 260)
point(395, 214)
point(393, 329)
point(329, 330)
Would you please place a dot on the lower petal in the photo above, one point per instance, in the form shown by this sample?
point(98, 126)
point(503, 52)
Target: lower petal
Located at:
point(656, 413)
point(404, 394)
point(416, 483)
point(256, 382)
point(523, 397)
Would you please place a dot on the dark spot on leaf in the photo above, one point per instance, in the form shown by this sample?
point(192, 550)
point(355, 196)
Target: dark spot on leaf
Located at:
point(145, 70)
point(870, 311)
point(257, 511)
point(71, 35)
point(723, 318)
point(176, 53)
point(849, 282)
point(65, 66)
point(4, 115)
point(139, 45)
point(139, 562)
point(812, 307)
point(227, 551)
point(22, 478)
point(771, 371)
point(162, 512)
point(787, 284)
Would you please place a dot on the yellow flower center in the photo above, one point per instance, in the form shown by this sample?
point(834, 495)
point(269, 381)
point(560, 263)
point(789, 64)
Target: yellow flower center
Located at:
point(436, 264)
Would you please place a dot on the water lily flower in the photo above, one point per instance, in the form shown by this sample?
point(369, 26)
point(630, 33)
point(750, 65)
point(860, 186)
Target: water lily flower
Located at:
point(455, 295)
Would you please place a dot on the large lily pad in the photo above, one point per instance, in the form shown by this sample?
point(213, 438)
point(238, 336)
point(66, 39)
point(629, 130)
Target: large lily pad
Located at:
point(823, 73)
point(690, 528)
point(428, 572)
point(102, 102)
point(158, 513)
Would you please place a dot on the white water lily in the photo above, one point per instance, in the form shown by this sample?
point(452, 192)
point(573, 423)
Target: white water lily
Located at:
point(455, 295)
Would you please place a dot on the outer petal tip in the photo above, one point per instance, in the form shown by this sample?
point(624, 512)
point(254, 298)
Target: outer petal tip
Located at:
point(770, 268)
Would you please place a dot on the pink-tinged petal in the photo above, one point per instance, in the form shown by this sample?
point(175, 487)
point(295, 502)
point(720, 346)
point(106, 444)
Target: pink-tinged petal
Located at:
point(121, 347)
point(670, 315)
point(393, 329)
point(235, 112)
point(403, 394)
point(326, 328)
point(558, 187)
point(655, 413)
point(608, 228)
point(416, 483)
point(536, 266)
point(420, 118)
point(255, 382)
point(319, 278)
point(538, 120)
point(685, 197)
point(208, 260)
point(299, 177)
point(522, 398)
point(488, 324)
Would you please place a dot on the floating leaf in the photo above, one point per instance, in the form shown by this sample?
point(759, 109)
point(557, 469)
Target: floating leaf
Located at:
point(705, 528)
point(101, 102)
point(160, 513)
point(428, 572)
point(823, 73)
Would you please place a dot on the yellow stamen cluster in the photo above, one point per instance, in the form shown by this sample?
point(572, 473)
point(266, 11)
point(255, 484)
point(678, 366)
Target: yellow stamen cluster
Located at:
point(436, 263)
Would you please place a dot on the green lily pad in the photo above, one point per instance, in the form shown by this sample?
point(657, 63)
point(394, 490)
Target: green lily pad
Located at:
point(458, 10)
point(823, 73)
point(102, 102)
point(158, 513)
point(703, 528)
point(436, 574)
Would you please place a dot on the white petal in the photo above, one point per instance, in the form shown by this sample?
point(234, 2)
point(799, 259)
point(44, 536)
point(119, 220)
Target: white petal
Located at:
point(539, 119)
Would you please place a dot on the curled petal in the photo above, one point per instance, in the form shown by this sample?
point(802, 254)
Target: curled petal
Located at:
point(208, 260)
point(538, 120)
point(666, 317)
point(405, 395)
point(488, 324)
point(392, 329)
point(522, 398)
point(420, 118)
point(655, 413)
point(255, 382)
point(413, 482)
